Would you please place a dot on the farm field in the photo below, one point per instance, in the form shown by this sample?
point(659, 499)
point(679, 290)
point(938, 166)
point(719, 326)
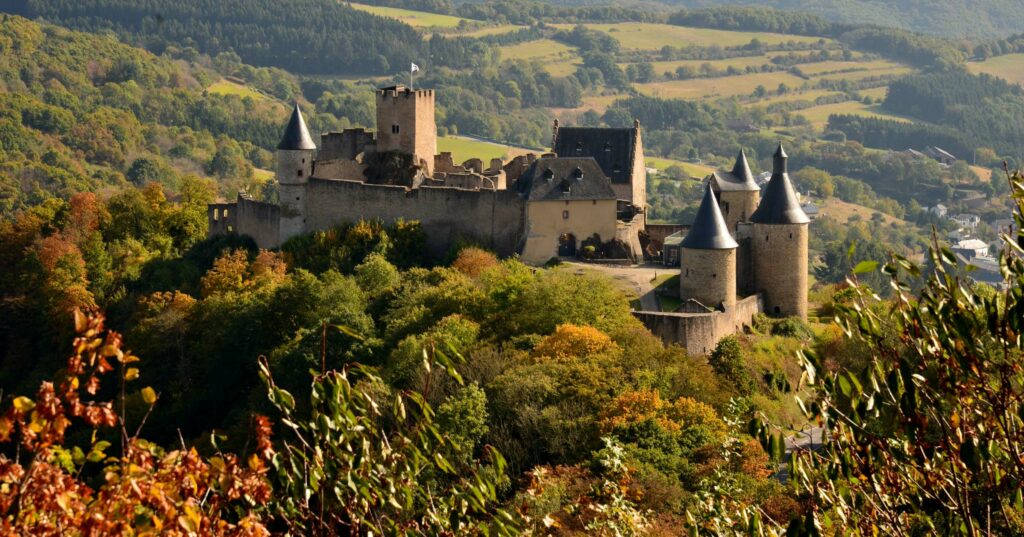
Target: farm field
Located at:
point(1009, 67)
point(463, 149)
point(739, 62)
point(841, 211)
point(412, 18)
point(876, 93)
point(694, 170)
point(824, 68)
point(791, 96)
point(700, 88)
point(227, 87)
point(869, 73)
point(818, 115)
point(491, 30)
point(546, 49)
point(650, 36)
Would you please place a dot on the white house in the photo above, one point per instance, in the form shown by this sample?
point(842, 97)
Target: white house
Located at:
point(966, 221)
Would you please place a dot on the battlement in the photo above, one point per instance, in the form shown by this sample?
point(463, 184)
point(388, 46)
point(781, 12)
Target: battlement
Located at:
point(395, 92)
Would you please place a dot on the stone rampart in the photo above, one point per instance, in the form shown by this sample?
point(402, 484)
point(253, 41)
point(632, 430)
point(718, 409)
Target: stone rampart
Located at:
point(700, 332)
point(259, 220)
point(495, 219)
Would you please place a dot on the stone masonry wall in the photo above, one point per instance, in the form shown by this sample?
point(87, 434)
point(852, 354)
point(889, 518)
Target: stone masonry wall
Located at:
point(493, 218)
point(258, 220)
point(708, 276)
point(780, 268)
point(700, 332)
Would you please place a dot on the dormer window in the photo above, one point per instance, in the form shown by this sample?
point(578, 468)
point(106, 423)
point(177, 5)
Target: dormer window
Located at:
point(566, 187)
point(608, 147)
point(579, 147)
point(578, 173)
point(617, 168)
point(548, 174)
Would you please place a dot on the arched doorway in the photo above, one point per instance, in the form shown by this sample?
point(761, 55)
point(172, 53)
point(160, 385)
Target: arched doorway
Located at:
point(567, 245)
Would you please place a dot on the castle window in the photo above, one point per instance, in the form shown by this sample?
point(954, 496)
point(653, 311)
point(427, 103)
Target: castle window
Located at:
point(565, 215)
point(687, 273)
point(791, 235)
point(714, 275)
point(231, 229)
point(300, 173)
point(394, 129)
point(766, 238)
point(296, 198)
point(216, 215)
point(225, 213)
point(726, 207)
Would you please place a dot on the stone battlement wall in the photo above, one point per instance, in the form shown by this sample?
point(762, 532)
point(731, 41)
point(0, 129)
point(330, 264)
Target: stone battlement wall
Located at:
point(495, 219)
point(700, 332)
point(259, 220)
point(220, 218)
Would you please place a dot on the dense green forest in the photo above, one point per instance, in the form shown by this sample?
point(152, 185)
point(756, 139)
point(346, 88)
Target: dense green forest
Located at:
point(954, 18)
point(306, 36)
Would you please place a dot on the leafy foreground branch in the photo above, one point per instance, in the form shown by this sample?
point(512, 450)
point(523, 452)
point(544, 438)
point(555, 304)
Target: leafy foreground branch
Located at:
point(928, 439)
point(342, 466)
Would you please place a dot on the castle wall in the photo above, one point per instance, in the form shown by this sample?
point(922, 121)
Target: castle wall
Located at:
point(547, 221)
point(349, 170)
point(708, 276)
point(638, 194)
point(700, 332)
point(221, 218)
point(495, 219)
point(744, 259)
point(629, 233)
point(780, 267)
point(737, 206)
point(347, 144)
point(258, 220)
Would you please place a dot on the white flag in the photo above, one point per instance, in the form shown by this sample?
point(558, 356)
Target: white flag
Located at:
point(415, 68)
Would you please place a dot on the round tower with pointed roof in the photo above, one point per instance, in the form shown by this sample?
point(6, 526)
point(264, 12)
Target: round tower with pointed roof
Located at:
point(737, 192)
point(295, 156)
point(779, 245)
point(708, 258)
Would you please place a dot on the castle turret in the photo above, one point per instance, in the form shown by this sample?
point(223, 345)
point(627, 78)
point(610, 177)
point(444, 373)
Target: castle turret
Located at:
point(295, 156)
point(708, 258)
point(779, 244)
point(405, 122)
point(738, 193)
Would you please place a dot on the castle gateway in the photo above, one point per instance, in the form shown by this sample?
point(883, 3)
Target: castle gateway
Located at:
point(592, 188)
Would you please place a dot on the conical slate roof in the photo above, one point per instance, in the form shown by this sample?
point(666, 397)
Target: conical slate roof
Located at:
point(709, 231)
point(296, 135)
point(740, 179)
point(778, 202)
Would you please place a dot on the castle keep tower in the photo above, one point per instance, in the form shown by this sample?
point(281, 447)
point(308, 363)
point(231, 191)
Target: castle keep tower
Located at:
point(708, 258)
point(737, 192)
point(405, 122)
point(779, 245)
point(295, 156)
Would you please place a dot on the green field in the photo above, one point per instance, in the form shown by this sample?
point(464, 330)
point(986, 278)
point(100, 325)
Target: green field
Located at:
point(412, 18)
point(492, 30)
point(545, 49)
point(818, 115)
point(1009, 67)
point(694, 170)
point(810, 95)
point(463, 149)
point(823, 68)
point(227, 87)
point(895, 71)
point(700, 88)
point(649, 36)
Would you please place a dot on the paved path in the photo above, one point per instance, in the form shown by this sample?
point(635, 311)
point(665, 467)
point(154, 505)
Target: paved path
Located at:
point(636, 277)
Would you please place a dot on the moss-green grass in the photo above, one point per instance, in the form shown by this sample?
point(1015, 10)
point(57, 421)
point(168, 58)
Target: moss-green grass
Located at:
point(227, 87)
point(650, 36)
point(412, 18)
point(1009, 67)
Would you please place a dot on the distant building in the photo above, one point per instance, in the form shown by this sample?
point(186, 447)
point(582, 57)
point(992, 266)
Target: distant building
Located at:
point(942, 156)
point(969, 248)
point(966, 220)
point(811, 210)
point(939, 210)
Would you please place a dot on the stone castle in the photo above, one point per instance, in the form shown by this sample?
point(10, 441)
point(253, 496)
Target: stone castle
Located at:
point(589, 191)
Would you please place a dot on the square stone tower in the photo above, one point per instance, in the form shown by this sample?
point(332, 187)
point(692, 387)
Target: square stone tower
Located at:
point(405, 122)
